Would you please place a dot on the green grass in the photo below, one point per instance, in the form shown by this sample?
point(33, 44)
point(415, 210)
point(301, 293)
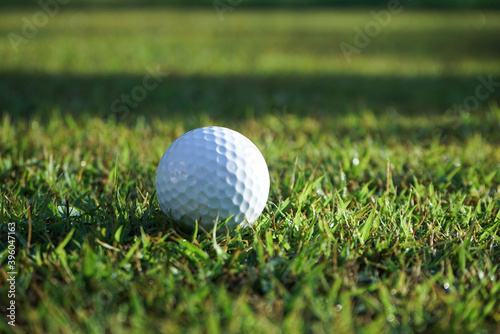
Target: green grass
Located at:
point(383, 214)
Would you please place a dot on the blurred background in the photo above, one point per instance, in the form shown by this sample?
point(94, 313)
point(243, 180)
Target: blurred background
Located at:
point(412, 71)
point(240, 59)
point(447, 4)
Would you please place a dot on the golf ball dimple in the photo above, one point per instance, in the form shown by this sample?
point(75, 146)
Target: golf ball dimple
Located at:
point(211, 174)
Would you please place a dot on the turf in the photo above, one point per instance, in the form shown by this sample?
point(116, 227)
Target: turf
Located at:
point(383, 213)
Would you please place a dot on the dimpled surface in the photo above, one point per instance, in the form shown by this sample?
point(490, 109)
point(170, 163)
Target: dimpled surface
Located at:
point(211, 173)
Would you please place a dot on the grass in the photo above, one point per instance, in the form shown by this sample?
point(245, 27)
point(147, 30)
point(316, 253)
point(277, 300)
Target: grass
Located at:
point(383, 213)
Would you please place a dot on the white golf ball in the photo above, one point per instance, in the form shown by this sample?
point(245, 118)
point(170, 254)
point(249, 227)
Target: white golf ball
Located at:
point(210, 174)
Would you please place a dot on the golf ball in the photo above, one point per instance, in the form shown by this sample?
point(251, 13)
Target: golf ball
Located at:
point(210, 174)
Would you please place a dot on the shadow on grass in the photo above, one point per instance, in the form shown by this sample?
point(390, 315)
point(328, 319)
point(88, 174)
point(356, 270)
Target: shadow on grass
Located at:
point(229, 97)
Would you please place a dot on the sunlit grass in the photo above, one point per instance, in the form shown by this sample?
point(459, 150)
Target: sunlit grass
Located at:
point(249, 42)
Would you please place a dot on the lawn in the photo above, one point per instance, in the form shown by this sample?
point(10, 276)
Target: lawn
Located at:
point(383, 213)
